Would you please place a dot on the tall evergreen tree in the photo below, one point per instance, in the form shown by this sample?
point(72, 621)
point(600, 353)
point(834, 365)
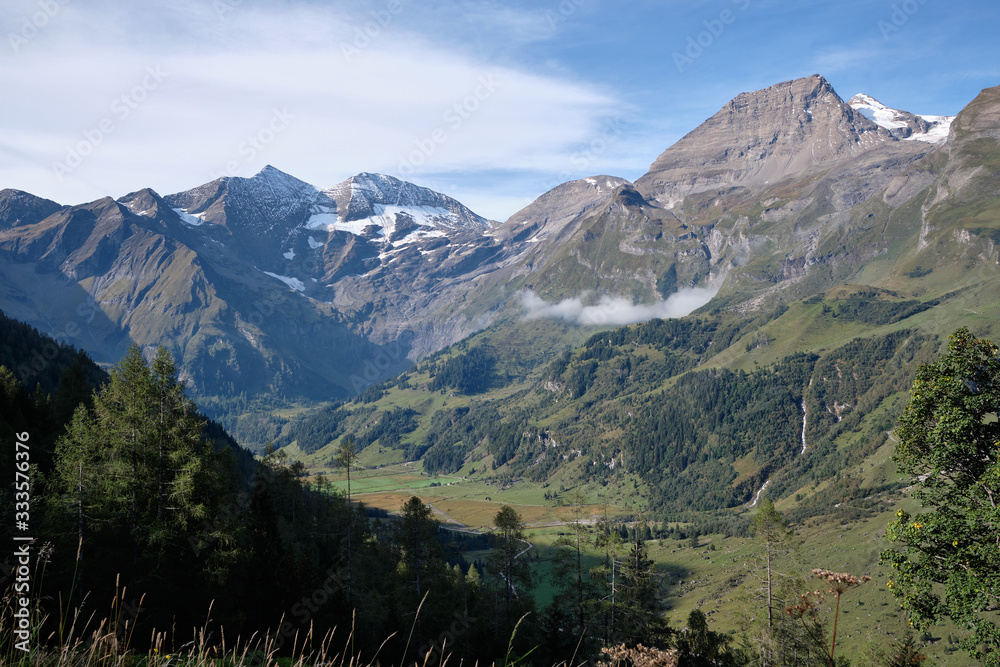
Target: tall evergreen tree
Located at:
point(420, 552)
point(347, 454)
point(507, 564)
point(641, 619)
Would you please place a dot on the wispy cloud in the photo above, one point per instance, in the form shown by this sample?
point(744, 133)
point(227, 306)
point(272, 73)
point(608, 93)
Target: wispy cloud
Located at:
point(228, 74)
point(614, 310)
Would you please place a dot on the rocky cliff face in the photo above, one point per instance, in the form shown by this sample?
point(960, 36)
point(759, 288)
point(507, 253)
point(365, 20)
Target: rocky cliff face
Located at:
point(791, 129)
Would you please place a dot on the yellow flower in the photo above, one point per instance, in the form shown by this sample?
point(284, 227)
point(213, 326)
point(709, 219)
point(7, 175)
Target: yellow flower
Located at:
point(918, 525)
point(955, 543)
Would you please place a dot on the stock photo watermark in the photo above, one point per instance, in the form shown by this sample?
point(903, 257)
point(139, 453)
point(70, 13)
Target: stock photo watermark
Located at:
point(35, 23)
point(366, 34)
point(121, 108)
point(454, 117)
point(586, 156)
point(561, 14)
point(703, 40)
point(256, 142)
point(22, 554)
point(375, 370)
point(900, 16)
point(224, 7)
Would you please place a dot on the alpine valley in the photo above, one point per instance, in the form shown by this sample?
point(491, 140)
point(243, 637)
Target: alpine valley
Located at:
point(732, 336)
point(809, 233)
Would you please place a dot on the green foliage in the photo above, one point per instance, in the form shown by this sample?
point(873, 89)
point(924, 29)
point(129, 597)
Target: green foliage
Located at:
point(701, 647)
point(918, 272)
point(511, 568)
point(316, 430)
point(684, 439)
point(770, 530)
point(866, 307)
point(469, 373)
point(666, 284)
point(389, 428)
point(946, 558)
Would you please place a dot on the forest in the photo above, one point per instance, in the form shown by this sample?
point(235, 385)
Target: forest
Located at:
point(152, 518)
point(156, 534)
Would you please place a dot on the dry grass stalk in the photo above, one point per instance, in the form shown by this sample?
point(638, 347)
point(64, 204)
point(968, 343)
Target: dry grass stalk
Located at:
point(640, 656)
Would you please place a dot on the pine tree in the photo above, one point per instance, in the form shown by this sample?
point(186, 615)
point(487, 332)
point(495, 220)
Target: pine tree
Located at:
point(420, 552)
point(505, 562)
point(347, 454)
point(640, 603)
point(134, 468)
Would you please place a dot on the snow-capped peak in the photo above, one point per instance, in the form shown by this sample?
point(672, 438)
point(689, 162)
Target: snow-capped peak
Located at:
point(902, 124)
point(375, 203)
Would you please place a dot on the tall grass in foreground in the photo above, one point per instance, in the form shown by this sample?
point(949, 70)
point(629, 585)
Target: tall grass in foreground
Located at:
point(76, 641)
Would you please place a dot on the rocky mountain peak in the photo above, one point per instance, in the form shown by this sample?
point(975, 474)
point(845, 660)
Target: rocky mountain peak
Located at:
point(270, 198)
point(19, 208)
point(549, 215)
point(145, 202)
point(367, 195)
point(762, 137)
point(981, 118)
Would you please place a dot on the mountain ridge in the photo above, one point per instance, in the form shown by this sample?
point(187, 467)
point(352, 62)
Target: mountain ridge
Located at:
point(785, 192)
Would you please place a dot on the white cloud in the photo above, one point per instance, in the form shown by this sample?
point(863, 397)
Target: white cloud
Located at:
point(616, 311)
point(388, 107)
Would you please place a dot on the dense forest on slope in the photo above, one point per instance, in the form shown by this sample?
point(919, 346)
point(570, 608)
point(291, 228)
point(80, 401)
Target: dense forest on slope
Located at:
point(648, 400)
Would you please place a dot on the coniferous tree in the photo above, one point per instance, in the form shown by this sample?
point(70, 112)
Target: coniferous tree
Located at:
point(640, 607)
point(772, 532)
point(511, 569)
point(420, 554)
point(347, 454)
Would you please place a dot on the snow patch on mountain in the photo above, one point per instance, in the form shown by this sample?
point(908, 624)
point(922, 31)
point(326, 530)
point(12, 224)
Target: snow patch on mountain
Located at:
point(322, 218)
point(938, 133)
point(932, 129)
point(293, 283)
point(187, 218)
point(878, 113)
point(387, 218)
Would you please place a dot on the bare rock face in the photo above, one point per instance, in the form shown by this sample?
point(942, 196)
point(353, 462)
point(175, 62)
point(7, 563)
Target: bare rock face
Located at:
point(550, 215)
point(19, 208)
point(981, 118)
point(760, 138)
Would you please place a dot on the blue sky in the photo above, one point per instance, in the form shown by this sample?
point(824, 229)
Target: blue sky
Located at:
point(492, 103)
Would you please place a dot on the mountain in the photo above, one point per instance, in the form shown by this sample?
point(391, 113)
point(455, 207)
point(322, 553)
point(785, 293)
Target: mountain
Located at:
point(902, 124)
point(838, 278)
point(270, 286)
point(211, 285)
point(793, 128)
